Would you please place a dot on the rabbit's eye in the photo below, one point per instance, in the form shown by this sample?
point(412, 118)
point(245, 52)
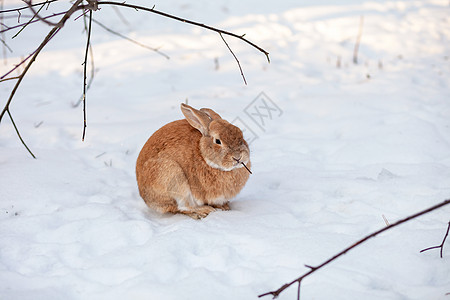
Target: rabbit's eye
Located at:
point(217, 141)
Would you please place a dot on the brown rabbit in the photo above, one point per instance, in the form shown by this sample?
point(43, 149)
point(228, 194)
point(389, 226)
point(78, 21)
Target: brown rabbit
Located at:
point(193, 166)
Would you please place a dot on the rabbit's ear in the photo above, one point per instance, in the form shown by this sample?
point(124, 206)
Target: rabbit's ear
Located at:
point(198, 119)
point(212, 114)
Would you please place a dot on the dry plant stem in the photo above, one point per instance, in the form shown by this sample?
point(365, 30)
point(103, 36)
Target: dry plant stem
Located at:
point(11, 78)
point(30, 21)
point(358, 40)
point(239, 64)
point(36, 14)
point(152, 10)
point(18, 134)
point(441, 246)
point(91, 54)
point(91, 78)
point(85, 73)
point(276, 293)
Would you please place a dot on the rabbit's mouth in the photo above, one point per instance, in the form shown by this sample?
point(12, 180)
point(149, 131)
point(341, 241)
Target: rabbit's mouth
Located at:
point(240, 163)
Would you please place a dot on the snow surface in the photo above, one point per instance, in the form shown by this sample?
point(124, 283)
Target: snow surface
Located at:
point(347, 144)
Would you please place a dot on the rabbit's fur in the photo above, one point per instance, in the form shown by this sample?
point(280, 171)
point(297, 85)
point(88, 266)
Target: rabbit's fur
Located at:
point(193, 166)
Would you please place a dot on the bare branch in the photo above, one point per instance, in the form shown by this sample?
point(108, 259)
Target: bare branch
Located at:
point(18, 134)
point(36, 14)
point(239, 64)
point(88, 42)
point(29, 22)
point(91, 78)
point(277, 292)
point(441, 246)
point(11, 78)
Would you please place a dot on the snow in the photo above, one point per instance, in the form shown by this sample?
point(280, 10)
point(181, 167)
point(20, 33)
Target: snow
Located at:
point(346, 145)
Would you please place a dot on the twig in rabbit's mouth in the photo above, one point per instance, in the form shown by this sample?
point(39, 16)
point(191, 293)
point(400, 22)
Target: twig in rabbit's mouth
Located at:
point(246, 168)
point(238, 160)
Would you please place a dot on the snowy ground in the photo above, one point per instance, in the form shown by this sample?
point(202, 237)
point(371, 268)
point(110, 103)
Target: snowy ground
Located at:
point(346, 145)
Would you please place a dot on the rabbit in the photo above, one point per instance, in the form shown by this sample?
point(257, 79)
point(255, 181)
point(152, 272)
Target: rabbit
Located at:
point(193, 166)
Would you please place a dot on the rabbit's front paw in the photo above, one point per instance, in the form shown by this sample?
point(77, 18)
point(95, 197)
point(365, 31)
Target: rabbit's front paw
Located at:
point(224, 207)
point(199, 212)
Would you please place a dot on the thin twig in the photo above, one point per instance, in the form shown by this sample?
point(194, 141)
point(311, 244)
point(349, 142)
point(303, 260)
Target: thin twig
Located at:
point(129, 39)
point(88, 42)
point(246, 168)
point(30, 21)
point(239, 64)
point(276, 293)
point(441, 246)
point(11, 78)
point(152, 10)
point(91, 78)
point(36, 14)
point(18, 134)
